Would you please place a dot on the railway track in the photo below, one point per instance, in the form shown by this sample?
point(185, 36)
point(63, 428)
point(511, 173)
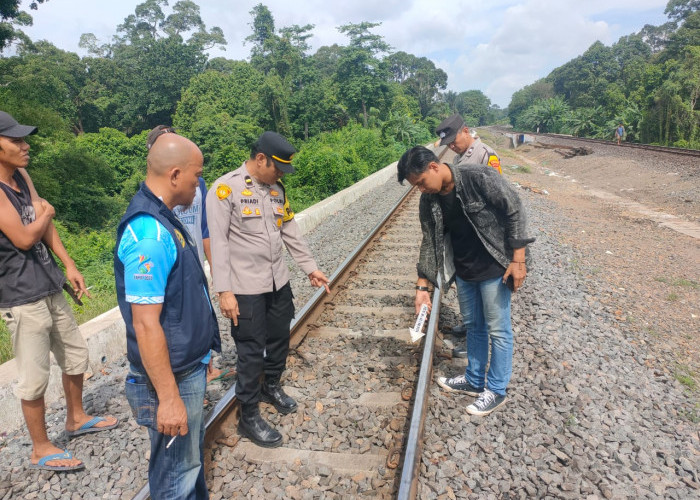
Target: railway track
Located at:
point(359, 433)
point(647, 147)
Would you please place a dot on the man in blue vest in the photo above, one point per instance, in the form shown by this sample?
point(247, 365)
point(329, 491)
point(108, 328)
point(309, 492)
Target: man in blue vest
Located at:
point(170, 324)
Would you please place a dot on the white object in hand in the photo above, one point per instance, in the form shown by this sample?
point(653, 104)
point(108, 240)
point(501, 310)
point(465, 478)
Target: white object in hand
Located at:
point(416, 331)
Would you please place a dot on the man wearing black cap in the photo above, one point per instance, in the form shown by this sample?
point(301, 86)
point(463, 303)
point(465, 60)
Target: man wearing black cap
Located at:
point(455, 134)
point(249, 223)
point(33, 306)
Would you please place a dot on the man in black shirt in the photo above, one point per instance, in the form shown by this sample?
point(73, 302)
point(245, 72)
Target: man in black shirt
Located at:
point(33, 306)
point(472, 213)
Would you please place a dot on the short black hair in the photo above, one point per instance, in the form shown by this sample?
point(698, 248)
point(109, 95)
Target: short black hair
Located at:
point(415, 161)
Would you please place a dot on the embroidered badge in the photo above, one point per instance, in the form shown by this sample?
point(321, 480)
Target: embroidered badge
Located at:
point(247, 192)
point(279, 222)
point(288, 214)
point(280, 210)
point(222, 191)
point(257, 211)
point(495, 162)
point(180, 238)
point(273, 192)
point(246, 211)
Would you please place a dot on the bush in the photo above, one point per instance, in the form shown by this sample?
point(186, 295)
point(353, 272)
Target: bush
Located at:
point(333, 161)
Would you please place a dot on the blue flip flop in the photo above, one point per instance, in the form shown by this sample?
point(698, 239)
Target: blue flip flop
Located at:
point(89, 427)
point(56, 456)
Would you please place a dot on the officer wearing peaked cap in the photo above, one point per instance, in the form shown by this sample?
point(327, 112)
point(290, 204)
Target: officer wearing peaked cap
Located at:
point(454, 133)
point(249, 224)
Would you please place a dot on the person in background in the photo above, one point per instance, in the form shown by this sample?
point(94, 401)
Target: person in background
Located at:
point(455, 134)
point(619, 133)
point(171, 326)
point(250, 223)
point(33, 306)
point(487, 231)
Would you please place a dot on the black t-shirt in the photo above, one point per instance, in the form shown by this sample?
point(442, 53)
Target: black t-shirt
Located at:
point(472, 261)
point(25, 275)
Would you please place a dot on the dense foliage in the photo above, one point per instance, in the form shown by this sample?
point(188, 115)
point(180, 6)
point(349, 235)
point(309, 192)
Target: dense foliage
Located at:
point(648, 81)
point(349, 109)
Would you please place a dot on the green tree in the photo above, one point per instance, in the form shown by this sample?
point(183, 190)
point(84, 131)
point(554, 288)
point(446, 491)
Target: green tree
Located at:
point(419, 75)
point(10, 18)
point(360, 74)
point(154, 62)
point(525, 97)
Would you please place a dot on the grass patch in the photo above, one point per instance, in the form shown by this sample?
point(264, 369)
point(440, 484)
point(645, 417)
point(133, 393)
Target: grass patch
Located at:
point(686, 377)
point(522, 169)
point(672, 297)
point(5, 343)
point(692, 415)
point(687, 381)
point(682, 282)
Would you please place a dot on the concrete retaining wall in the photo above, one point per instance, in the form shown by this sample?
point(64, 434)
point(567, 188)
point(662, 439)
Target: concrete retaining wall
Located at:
point(105, 334)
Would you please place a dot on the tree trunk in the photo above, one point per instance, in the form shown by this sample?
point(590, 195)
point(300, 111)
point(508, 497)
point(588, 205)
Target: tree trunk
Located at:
point(306, 130)
point(364, 113)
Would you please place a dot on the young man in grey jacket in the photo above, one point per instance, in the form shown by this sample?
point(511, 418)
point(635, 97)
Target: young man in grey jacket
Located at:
point(474, 231)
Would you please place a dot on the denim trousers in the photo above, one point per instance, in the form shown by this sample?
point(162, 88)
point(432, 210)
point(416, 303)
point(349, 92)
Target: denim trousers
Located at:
point(485, 309)
point(176, 472)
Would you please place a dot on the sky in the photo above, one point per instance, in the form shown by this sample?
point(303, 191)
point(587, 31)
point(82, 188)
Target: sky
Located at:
point(496, 46)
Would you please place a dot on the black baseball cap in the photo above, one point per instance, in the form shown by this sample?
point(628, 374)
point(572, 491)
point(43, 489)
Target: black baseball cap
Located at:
point(449, 128)
point(278, 149)
point(10, 128)
point(156, 132)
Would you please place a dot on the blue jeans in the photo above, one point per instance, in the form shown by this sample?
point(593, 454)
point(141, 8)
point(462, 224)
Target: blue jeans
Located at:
point(485, 309)
point(176, 472)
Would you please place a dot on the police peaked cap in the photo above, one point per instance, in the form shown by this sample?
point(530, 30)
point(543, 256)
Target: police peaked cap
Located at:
point(278, 149)
point(449, 128)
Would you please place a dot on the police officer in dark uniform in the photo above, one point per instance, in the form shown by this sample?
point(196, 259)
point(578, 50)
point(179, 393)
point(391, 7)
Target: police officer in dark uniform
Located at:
point(249, 224)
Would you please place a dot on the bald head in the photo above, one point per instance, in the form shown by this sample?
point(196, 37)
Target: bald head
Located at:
point(170, 151)
point(174, 168)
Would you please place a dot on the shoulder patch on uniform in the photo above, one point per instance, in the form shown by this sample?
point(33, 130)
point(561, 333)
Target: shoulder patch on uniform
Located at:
point(287, 214)
point(247, 192)
point(222, 191)
point(180, 238)
point(494, 162)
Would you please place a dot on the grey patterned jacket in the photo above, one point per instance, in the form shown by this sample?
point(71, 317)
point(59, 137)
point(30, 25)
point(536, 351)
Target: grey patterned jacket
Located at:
point(490, 205)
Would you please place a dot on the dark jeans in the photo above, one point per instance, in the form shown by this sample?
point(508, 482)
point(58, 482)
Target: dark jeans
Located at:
point(176, 472)
point(262, 339)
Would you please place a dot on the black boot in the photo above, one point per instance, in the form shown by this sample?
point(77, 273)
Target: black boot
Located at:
point(272, 393)
point(252, 426)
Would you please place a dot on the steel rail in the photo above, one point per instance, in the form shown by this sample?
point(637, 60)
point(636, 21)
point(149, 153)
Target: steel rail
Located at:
point(229, 398)
point(633, 145)
point(408, 487)
point(649, 147)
